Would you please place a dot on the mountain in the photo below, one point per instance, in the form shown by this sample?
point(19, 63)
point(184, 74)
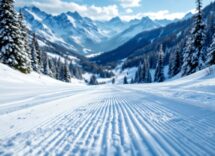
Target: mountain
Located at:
point(120, 32)
point(148, 42)
point(164, 22)
point(76, 32)
point(112, 27)
point(81, 34)
point(133, 28)
point(188, 15)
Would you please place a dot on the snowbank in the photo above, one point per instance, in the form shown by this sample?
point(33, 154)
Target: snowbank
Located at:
point(11, 77)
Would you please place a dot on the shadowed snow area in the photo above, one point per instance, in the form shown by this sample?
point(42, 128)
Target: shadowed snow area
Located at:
point(41, 116)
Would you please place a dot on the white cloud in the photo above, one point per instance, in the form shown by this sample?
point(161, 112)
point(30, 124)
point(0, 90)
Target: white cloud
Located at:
point(162, 14)
point(165, 14)
point(58, 6)
point(100, 13)
point(129, 11)
point(129, 3)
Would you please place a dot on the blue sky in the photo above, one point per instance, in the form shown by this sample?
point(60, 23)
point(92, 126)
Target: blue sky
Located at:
point(125, 9)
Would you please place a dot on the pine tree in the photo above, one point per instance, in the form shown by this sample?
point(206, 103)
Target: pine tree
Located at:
point(45, 64)
point(38, 50)
point(52, 67)
point(67, 76)
point(113, 81)
point(194, 52)
point(148, 77)
point(211, 53)
point(125, 80)
point(61, 71)
point(171, 62)
point(77, 72)
point(132, 81)
point(58, 66)
point(187, 55)
point(11, 45)
point(93, 80)
point(159, 72)
point(35, 55)
point(24, 38)
point(140, 74)
point(176, 63)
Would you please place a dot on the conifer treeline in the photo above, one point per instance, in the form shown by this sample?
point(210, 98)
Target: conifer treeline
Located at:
point(187, 58)
point(23, 53)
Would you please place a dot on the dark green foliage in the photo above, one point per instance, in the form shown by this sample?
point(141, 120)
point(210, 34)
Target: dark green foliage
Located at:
point(93, 80)
point(159, 72)
point(35, 54)
point(175, 63)
point(113, 81)
point(12, 50)
point(211, 53)
point(125, 80)
point(194, 53)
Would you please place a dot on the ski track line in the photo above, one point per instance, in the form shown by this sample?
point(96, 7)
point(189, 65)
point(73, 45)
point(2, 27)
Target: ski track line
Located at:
point(37, 100)
point(47, 124)
point(9, 133)
point(165, 142)
point(144, 134)
point(56, 141)
point(84, 132)
point(184, 132)
point(170, 138)
point(165, 145)
point(118, 122)
point(138, 142)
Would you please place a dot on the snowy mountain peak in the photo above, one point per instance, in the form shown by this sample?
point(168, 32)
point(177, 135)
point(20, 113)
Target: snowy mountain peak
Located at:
point(188, 15)
point(75, 14)
point(116, 20)
point(35, 10)
point(82, 33)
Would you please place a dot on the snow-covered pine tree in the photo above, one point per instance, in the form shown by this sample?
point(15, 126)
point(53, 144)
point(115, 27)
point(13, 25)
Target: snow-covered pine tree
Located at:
point(93, 80)
point(38, 50)
point(194, 52)
point(125, 80)
point(77, 72)
point(171, 62)
point(58, 68)
point(137, 74)
point(187, 55)
point(113, 81)
point(11, 45)
point(25, 38)
point(61, 71)
point(211, 53)
point(148, 77)
point(67, 76)
point(45, 64)
point(140, 74)
point(35, 62)
point(132, 81)
point(52, 67)
point(159, 72)
point(175, 68)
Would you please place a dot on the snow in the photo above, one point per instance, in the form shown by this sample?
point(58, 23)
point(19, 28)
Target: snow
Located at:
point(35, 16)
point(91, 55)
point(72, 20)
point(42, 116)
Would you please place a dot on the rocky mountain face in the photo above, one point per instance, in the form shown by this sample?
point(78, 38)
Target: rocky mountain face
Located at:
point(83, 35)
point(148, 42)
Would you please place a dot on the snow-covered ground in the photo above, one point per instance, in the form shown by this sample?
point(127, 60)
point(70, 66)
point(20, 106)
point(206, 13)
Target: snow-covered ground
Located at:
point(41, 116)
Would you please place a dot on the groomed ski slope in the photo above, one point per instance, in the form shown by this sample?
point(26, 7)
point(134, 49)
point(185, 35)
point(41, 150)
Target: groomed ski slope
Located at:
point(173, 118)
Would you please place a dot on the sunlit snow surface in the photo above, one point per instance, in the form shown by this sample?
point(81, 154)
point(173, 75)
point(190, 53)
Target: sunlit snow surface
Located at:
point(41, 116)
